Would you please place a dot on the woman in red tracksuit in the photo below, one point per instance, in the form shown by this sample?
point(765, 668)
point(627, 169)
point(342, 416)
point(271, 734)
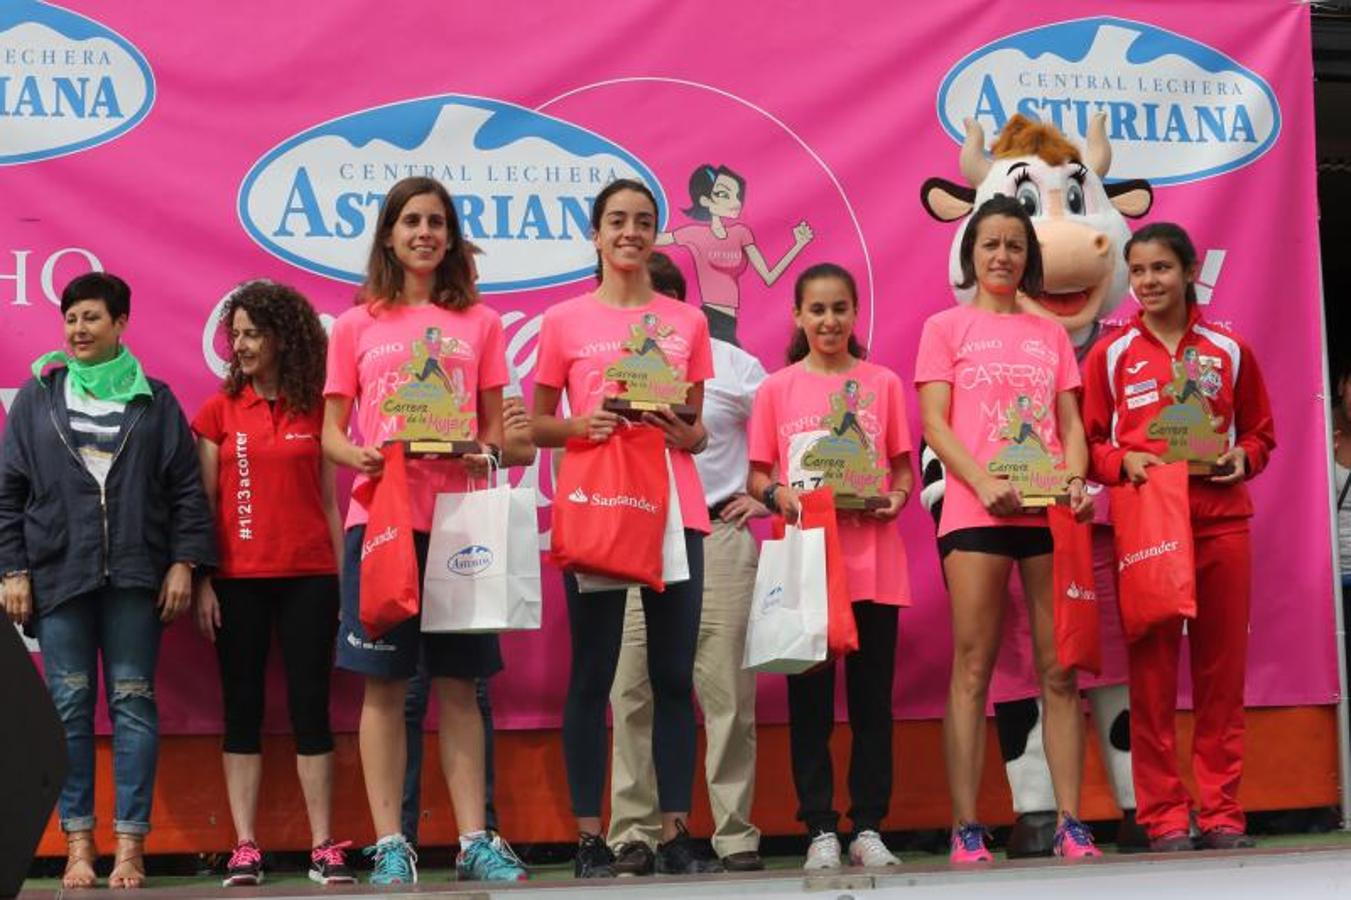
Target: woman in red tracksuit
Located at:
point(1169, 354)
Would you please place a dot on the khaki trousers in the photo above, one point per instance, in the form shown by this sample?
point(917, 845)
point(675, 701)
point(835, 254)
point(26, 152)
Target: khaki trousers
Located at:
point(726, 697)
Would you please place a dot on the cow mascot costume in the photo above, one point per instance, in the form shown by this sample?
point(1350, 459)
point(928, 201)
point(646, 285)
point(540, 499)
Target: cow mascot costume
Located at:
point(1081, 227)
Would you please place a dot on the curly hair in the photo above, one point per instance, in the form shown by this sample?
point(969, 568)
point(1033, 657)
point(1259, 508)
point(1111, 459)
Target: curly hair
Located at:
point(1023, 137)
point(283, 314)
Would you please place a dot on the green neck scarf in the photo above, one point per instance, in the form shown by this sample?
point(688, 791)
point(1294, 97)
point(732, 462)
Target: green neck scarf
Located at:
point(119, 380)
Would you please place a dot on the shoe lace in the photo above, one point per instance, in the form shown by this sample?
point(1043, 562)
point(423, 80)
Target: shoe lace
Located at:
point(393, 859)
point(971, 836)
point(594, 851)
point(1076, 831)
point(246, 853)
point(871, 842)
point(825, 842)
point(330, 853)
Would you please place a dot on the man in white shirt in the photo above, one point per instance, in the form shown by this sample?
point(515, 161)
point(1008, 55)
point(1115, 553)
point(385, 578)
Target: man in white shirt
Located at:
point(726, 692)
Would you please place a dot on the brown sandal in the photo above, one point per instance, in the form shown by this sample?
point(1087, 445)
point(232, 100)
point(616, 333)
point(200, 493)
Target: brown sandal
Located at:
point(129, 863)
point(80, 857)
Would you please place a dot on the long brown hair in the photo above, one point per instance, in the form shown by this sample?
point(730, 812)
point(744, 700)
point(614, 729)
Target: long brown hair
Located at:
point(286, 318)
point(453, 288)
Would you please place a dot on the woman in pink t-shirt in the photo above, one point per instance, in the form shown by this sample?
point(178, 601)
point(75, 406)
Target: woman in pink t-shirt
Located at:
point(578, 341)
point(419, 291)
point(831, 405)
point(722, 247)
point(992, 378)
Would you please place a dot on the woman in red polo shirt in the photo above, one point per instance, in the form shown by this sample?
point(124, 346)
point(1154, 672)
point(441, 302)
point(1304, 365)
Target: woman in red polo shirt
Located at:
point(259, 440)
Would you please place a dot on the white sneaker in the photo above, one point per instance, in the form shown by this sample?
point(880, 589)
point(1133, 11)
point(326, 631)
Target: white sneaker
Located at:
point(824, 852)
point(867, 850)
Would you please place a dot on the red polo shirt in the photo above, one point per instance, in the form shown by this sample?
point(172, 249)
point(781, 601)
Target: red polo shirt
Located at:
point(269, 492)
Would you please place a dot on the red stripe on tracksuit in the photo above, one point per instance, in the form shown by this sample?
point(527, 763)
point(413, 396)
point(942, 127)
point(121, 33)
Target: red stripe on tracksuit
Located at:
point(1119, 402)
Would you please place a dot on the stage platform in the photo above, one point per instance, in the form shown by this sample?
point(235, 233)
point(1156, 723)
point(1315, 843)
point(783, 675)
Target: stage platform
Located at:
point(1308, 871)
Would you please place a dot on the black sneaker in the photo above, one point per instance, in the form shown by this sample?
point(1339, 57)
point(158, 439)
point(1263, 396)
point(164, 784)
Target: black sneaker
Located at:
point(328, 864)
point(594, 859)
point(245, 867)
point(678, 857)
point(634, 858)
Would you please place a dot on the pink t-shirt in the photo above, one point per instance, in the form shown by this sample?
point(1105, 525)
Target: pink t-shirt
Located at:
point(400, 359)
point(581, 337)
point(1005, 372)
point(803, 417)
point(718, 262)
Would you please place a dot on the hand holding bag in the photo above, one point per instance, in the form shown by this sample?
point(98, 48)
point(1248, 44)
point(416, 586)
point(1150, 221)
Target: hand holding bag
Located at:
point(483, 571)
point(787, 630)
point(389, 577)
point(1077, 642)
point(1155, 562)
point(610, 506)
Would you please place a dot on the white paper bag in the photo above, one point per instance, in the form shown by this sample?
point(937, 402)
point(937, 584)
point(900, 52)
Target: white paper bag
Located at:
point(483, 563)
point(789, 617)
point(675, 563)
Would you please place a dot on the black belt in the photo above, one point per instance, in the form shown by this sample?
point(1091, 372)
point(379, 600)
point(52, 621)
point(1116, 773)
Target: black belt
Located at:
point(715, 511)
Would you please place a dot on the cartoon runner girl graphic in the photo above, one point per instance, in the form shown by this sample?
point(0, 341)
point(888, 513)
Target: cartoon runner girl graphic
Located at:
point(1188, 376)
point(431, 365)
point(845, 407)
point(647, 335)
point(1023, 417)
point(721, 247)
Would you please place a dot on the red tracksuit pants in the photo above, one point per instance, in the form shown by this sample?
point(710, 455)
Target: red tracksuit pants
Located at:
point(1218, 638)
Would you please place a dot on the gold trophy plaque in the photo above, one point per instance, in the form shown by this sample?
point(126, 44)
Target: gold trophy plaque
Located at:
point(1189, 425)
point(1025, 462)
point(648, 382)
point(433, 405)
point(844, 455)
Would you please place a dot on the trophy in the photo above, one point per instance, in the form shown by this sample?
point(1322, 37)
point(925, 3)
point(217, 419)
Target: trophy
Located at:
point(436, 411)
point(841, 456)
point(1189, 425)
point(1025, 462)
point(647, 381)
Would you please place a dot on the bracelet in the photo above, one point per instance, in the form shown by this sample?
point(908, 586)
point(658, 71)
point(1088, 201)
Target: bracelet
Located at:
point(17, 573)
point(905, 491)
point(701, 445)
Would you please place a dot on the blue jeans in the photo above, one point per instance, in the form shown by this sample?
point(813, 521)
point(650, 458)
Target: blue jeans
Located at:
point(124, 626)
point(415, 711)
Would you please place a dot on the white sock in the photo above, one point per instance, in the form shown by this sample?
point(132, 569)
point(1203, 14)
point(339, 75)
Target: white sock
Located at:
point(467, 839)
point(391, 837)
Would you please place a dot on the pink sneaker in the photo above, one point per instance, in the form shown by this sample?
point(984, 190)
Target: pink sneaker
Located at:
point(1073, 840)
point(968, 844)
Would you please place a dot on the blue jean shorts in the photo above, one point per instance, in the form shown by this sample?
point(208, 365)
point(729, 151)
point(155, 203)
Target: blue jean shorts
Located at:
point(395, 653)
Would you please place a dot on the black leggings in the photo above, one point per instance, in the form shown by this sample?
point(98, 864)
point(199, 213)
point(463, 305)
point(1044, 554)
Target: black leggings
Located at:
point(597, 626)
point(305, 610)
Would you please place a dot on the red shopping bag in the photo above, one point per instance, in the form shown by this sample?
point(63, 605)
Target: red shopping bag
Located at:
point(1077, 643)
point(610, 506)
point(1155, 563)
point(389, 578)
point(818, 511)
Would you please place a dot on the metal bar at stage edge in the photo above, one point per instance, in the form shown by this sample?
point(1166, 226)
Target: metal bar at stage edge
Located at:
point(1343, 705)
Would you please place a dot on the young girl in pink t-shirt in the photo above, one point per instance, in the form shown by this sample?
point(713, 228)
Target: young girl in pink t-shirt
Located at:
point(578, 341)
point(419, 358)
point(831, 403)
point(991, 377)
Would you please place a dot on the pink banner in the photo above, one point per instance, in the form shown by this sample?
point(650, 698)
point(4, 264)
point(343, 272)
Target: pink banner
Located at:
point(189, 148)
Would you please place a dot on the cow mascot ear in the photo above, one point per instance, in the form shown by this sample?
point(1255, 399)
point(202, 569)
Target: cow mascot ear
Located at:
point(1131, 198)
point(946, 201)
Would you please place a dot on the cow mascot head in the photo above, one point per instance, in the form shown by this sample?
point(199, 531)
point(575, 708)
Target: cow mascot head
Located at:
point(1081, 227)
point(1079, 218)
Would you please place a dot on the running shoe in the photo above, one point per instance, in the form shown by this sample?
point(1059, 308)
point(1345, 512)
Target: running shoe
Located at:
point(823, 852)
point(1172, 842)
point(245, 866)
point(679, 857)
point(1226, 839)
point(1073, 840)
point(968, 844)
point(634, 858)
point(489, 858)
point(867, 850)
point(328, 863)
point(395, 861)
point(594, 859)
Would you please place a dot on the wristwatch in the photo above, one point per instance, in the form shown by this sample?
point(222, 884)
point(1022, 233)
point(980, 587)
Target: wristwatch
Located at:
point(767, 497)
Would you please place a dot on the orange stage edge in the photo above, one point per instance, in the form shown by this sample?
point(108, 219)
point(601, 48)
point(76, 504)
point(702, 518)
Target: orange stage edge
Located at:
point(1291, 764)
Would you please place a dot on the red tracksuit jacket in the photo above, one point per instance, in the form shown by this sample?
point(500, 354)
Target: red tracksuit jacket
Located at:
point(1125, 380)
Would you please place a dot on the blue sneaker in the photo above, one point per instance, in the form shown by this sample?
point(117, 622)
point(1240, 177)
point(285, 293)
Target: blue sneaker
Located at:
point(395, 861)
point(489, 858)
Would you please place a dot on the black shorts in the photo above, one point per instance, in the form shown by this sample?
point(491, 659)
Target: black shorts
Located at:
point(1015, 541)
